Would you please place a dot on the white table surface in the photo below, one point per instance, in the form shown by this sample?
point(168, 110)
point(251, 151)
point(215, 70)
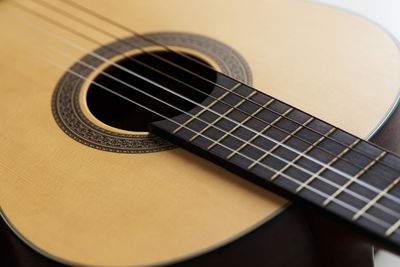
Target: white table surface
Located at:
point(385, 13)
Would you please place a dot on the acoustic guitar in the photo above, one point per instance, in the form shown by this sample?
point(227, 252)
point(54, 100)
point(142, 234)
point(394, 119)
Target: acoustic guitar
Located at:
point(196, 133)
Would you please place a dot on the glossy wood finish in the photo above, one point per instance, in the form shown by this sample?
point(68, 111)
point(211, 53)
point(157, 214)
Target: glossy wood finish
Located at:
point(277, 148)
point(314, 241)
point(93, 207)
point(388, 134)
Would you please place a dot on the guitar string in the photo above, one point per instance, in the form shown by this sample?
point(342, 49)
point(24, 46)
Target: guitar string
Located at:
point(368, 216)
point(56, 9)
point(379, 206)
point(149, 39)
point(372, 188)
point(319, 177)
point(360, 197)
point(143, 37)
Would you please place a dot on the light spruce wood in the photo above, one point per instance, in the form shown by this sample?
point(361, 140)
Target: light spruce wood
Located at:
point(99, 208)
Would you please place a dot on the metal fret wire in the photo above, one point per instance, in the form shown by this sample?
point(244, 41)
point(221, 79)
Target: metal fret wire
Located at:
point(208, 106)
point(375, 199)
point(349, 182)
point(332, 161)
point(259, 133)
point(223, 116)
point(298, 158)
point(234, 136)
point(368, 216)
point(239, 125)
point(194, 88)
point(281, 115)
point(92, 13)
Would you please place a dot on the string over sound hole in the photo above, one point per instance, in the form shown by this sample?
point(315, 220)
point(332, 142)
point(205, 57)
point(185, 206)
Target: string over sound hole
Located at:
point(162, 79)
point(106, 130)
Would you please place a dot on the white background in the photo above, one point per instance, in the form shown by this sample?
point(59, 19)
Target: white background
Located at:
point(385, 13)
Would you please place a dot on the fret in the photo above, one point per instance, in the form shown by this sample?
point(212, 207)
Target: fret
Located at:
point(326, 166)
point(375, 199)
point(274, 162)
point(240, 124)
point(304, 152)
point(206, 108)
point(349, 182)
point(393, 161)
point(222, 116)
point(393, 228)
point(259, 133)
point(279, 144)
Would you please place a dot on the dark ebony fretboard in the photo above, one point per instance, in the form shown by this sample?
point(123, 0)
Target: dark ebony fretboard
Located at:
point(294, 154)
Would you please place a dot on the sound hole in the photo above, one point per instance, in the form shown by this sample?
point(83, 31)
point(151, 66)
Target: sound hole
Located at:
point(120, 113)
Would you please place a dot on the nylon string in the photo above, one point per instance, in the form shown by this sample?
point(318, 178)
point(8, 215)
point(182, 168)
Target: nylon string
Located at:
point(97, 15)
point(267, 137)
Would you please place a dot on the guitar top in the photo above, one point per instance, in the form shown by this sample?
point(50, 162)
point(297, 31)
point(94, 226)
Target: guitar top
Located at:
point(83, 182)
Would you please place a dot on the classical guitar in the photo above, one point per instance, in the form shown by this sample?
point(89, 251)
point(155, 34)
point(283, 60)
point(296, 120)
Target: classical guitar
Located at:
point(196, 133)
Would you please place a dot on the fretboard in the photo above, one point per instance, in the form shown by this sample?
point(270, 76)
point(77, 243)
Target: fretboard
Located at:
point(294, 154)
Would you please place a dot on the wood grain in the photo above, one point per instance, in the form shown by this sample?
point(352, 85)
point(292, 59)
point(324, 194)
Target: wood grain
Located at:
point(92, 207)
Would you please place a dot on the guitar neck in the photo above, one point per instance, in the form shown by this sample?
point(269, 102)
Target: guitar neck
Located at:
point(294, 154)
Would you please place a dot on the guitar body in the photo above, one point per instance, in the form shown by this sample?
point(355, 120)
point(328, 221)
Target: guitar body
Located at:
point(296, 237)
point(64, 202)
